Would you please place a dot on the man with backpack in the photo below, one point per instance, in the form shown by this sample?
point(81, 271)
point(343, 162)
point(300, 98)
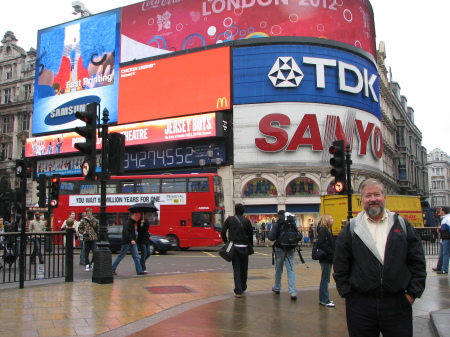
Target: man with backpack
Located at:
point(286, 236)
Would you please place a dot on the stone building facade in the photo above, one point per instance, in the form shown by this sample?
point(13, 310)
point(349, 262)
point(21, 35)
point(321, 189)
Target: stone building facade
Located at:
point(439, 178)
point(17, 70)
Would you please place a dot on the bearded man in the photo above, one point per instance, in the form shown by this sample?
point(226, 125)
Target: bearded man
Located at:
point(379, 268)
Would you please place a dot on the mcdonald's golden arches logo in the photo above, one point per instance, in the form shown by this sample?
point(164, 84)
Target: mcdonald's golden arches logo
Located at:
point(222, 102)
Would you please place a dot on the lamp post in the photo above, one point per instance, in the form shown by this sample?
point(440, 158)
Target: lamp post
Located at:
point(209, 155)
point(102, 273)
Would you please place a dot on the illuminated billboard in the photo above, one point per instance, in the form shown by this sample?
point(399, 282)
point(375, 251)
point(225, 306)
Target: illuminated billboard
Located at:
point(77, 64)
point(300, 134)
point(305, 73)
point(167, 130)
point(175, 86)
point(153, 28)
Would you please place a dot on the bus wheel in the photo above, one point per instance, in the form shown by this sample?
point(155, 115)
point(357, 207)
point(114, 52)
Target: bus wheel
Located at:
point(177, 241)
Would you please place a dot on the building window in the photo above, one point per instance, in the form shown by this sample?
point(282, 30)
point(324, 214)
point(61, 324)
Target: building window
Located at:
point(8, 73)
point(6, 150)
point(27, 91)
point(259, 188)
point(6, 125)
point(6, 95)
point(24, 122)
point(302, 187)
point(401, 136)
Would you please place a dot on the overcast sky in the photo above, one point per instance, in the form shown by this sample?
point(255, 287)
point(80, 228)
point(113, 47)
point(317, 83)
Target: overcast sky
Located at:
point(416, 35)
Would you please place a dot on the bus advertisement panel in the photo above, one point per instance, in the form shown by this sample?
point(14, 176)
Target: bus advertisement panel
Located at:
point(190, 206)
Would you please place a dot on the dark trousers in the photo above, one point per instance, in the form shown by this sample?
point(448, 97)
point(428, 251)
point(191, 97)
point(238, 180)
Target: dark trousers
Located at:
point(240, 269)
point(367, 315)
point(88, 246)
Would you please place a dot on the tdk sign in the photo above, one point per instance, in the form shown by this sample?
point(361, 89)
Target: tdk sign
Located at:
point(304, 73)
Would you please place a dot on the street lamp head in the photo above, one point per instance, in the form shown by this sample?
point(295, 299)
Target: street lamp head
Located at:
point(202, 162)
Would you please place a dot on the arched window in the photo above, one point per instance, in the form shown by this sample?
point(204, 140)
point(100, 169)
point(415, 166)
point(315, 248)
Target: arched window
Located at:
point(259, 188)
point(302, 187)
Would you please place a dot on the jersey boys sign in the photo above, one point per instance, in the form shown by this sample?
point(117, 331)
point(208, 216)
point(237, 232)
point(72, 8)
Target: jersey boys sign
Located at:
point(305, 73)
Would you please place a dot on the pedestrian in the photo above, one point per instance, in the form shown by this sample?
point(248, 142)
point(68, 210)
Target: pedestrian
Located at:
point(263, 232)
point(129, 245)
point(70, 222)
point(379, 268)
point(239, 228)
point(81, 242)
point(325, 241)
point(88, 227)
point(143, 241)
point(37, 226)
point(444, 234)
point(283, 256)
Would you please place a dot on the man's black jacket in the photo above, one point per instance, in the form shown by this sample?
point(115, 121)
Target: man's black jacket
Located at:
point(356, 268)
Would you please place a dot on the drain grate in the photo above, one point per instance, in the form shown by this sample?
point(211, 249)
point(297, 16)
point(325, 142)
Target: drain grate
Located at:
point(169, 290)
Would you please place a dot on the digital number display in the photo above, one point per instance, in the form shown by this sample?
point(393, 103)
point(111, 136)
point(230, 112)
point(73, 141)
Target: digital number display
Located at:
point(166, 155)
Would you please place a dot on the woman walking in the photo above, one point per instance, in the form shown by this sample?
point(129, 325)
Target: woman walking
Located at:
point(325, 242)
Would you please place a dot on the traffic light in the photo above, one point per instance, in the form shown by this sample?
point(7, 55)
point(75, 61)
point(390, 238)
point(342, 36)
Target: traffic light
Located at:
point(90, 133)
point(20, 168)
point(54, 190)
point(116, 153)
point(338, 163)
point(42, 190)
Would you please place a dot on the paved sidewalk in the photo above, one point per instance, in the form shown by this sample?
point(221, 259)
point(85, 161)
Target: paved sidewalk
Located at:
point(200, 304)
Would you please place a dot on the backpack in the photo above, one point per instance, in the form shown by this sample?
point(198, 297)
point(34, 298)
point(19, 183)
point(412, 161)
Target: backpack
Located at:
point(289, 235)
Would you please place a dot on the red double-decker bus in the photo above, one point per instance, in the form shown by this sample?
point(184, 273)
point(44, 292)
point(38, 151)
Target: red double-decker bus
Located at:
point(190, 206)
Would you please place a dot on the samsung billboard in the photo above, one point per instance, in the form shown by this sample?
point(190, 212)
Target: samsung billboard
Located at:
point(77, 64)
point(305, 73)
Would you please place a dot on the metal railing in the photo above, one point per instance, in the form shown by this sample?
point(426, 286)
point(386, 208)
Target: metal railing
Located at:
point(36, 256)
point(430, 239)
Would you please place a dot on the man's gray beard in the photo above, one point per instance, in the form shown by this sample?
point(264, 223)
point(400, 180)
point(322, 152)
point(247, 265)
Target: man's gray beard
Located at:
point(374, 211)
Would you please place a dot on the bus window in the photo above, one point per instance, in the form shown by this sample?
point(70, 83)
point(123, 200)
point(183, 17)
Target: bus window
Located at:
point(171, 185)
point(218, 219)
point(123, 217)
point(218, 192)
point(198, 185)
point(201, 219)
point(126, 187)
point(89, 188)
point(148, 185)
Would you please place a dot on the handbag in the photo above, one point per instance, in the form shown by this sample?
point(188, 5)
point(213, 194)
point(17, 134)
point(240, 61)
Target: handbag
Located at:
point(227, 250)
point(9, 257)
point(317, 253)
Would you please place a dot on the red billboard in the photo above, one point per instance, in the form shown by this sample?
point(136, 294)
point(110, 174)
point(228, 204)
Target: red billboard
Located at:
point(176, 86)
point(173, 129)
point(155, 27)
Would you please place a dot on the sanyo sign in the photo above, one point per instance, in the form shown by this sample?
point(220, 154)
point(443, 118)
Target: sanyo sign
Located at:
point(305, 73)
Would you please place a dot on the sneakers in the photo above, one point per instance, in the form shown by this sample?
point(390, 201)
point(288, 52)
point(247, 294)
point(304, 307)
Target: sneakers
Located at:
point(294, 298)
point(237, 295)
point(436, 269)
point(328, 304)
point(87, 267)
point(276, 291)
point(114, 272)
point(141, 273)
point(441, 272)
